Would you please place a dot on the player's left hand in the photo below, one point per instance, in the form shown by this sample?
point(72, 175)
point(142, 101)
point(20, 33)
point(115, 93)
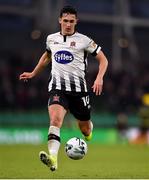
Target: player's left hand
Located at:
point(97, 86)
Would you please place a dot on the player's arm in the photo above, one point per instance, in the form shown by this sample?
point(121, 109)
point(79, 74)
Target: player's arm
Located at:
point(103, 63)
point(43, 62)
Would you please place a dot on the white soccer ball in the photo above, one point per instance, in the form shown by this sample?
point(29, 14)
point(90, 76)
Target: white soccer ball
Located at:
point(76, 148)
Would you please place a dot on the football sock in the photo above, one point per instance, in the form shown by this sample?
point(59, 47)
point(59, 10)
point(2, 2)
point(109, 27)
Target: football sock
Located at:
point(53, 140)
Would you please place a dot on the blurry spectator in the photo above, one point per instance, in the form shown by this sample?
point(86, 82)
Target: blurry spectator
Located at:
point(144, 124)
point(122, 127)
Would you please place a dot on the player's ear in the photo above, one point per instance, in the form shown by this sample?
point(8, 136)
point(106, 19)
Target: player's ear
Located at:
point(77, 20)
point(60, 20)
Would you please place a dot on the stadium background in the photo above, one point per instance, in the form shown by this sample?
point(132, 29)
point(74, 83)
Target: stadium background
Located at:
point(120, 27)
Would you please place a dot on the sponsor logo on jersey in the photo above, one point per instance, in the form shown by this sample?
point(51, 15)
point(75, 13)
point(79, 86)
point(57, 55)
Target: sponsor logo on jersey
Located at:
point(63, 57)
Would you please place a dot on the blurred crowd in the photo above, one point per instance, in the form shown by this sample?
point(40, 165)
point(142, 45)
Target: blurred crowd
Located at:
point(17, 95)
point(122, 90)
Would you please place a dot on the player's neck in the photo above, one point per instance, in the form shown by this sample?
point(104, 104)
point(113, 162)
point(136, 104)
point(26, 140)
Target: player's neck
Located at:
point(65, 34)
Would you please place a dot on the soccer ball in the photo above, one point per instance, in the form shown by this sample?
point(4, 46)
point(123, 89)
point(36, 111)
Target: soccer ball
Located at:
point(76, 148)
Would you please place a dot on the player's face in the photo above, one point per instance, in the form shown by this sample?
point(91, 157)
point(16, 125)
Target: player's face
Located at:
point(68, 23)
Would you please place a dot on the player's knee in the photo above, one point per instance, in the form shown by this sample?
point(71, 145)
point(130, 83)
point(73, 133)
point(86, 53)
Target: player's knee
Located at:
point(55, 119)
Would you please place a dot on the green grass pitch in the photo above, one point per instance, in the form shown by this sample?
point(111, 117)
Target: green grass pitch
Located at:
point(101, 161)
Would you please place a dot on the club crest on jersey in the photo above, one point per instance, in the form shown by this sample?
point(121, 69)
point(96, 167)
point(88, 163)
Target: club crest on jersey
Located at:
point(73, 44)
point(63, 57)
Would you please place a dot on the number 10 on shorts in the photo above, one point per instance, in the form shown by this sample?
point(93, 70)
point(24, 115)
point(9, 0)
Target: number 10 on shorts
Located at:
point(86, 100)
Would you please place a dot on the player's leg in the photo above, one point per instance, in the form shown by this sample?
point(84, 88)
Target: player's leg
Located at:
point(80, 107)
point(56, 113)
point(86, 128)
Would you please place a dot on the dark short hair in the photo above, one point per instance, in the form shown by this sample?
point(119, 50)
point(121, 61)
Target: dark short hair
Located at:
point(69, 10)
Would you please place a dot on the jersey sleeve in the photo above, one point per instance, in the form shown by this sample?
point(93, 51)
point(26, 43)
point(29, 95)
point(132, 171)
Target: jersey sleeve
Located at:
point(48, 44)
point(92, 47)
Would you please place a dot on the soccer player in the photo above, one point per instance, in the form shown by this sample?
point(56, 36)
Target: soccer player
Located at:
point(67, 50)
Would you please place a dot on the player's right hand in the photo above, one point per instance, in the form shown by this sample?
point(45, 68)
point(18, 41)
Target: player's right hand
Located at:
point(25, 76)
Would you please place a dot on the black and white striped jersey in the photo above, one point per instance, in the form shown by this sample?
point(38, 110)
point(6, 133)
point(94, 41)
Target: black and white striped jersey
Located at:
point(69, 61)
